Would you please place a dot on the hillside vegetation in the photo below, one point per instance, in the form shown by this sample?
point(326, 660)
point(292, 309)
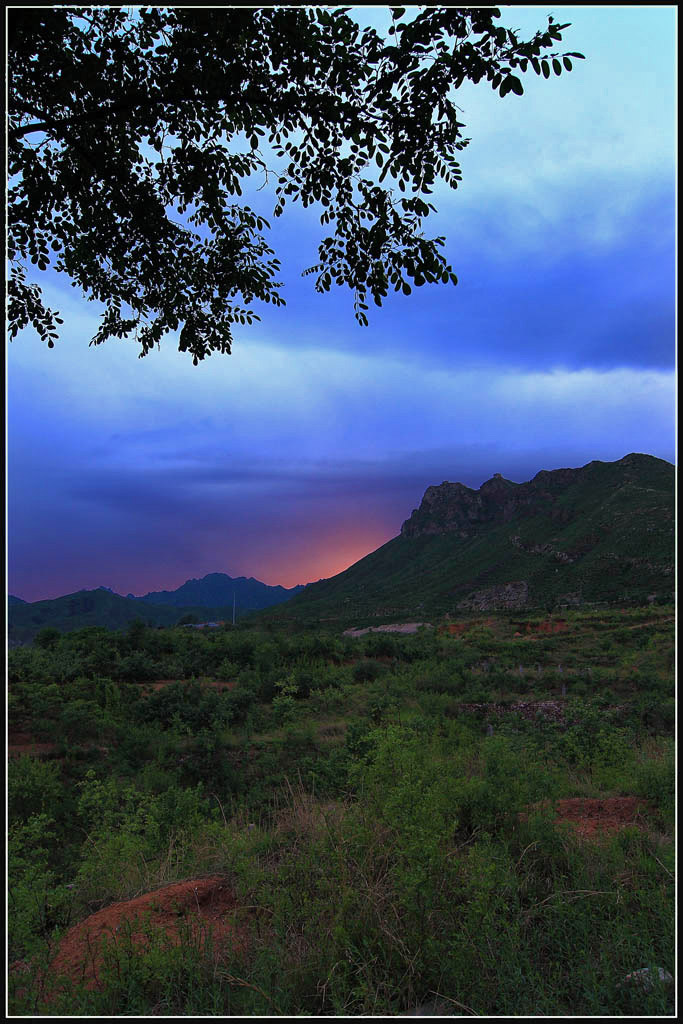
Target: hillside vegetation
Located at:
point(601, 534)
point(210, 598)
point(478, 817)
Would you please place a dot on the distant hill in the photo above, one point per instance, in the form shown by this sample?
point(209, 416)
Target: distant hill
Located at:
point(569, 537)
point(217, 590)
point(102, 607)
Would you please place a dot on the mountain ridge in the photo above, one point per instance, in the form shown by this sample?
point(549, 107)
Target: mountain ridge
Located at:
point(217, 589)
point(102, 606)
point(602, 532)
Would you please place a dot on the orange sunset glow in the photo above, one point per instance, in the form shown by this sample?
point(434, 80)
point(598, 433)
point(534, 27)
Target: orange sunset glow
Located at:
point(323, 555)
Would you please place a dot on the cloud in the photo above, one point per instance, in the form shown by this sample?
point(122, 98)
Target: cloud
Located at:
point(285, 475)
point(310, 444)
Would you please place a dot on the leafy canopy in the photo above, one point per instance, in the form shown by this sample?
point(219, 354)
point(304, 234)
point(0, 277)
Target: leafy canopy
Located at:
point(131, 132)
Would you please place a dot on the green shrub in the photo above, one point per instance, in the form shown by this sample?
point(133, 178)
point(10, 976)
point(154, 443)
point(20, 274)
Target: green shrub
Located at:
point(34, 787)
point(655, 778)
point(37, 902)
point(367, 671)
point(47, 638)
point(380, 645)
point(285, 708)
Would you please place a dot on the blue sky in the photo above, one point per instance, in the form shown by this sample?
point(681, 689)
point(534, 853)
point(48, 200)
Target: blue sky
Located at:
point(309, 446)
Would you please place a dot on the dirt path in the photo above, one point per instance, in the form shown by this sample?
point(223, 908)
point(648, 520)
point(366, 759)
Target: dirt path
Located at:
point(32, 748)
point(207, 684)
point(394, 627)
point(551, 710)
point(19, 743)
point(651, 622)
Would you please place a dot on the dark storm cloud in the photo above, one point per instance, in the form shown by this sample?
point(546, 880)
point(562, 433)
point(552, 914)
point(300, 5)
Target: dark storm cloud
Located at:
point(310, 445)
point(564, 300)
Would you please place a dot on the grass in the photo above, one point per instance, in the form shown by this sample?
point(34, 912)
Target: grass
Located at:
point(386, 851)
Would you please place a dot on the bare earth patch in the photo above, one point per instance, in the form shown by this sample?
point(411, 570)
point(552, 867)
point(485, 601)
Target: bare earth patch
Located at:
point(596, 817)
point(19, 743)
point(550, 710)
point(203, 904)
point(209, 684)
point(394, 627)
point(548, 627)
point(458, 628)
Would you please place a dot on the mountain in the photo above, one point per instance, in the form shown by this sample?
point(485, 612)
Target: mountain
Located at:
point(74, 611)
point(217, 590)
point(569, 537)
point(11, 599)
point(102, 607)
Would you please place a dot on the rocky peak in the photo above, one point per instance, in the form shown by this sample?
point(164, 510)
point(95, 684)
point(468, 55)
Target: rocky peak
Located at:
point(455, 508)
point(497, 487)
point(444, 508)
point(462, 511)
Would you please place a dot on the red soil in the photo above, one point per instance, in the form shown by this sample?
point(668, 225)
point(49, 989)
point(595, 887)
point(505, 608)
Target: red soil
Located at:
point(210, 684)
point(205, 904)
point(457, 628)
point(549, 626)
point(593, 818)
point(19, 743)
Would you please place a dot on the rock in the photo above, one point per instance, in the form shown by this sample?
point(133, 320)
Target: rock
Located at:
point(504, 596)
point(456, 508)
point(646, 979)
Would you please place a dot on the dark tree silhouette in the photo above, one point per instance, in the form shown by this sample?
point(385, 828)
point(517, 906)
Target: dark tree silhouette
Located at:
point(131, 132)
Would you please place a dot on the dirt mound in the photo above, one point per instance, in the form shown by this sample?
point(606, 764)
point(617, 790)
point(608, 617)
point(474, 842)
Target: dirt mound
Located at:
point(593, 818)
point(205, 904)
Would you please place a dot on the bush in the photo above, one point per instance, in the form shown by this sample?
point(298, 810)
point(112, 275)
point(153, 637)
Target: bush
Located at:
point(655, 778)
point(236, 703)
point(47, 638)
point(284, 708)
point(381, 645)
point(34, 787)
point(367, 671)
point(38, 903)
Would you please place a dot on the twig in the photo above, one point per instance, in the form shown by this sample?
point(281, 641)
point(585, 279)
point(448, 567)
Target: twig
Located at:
point(576, 893)
point(468, 1009)
point(535, 843)
point(232, 979)
point(669, 873)
point(222, 811)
